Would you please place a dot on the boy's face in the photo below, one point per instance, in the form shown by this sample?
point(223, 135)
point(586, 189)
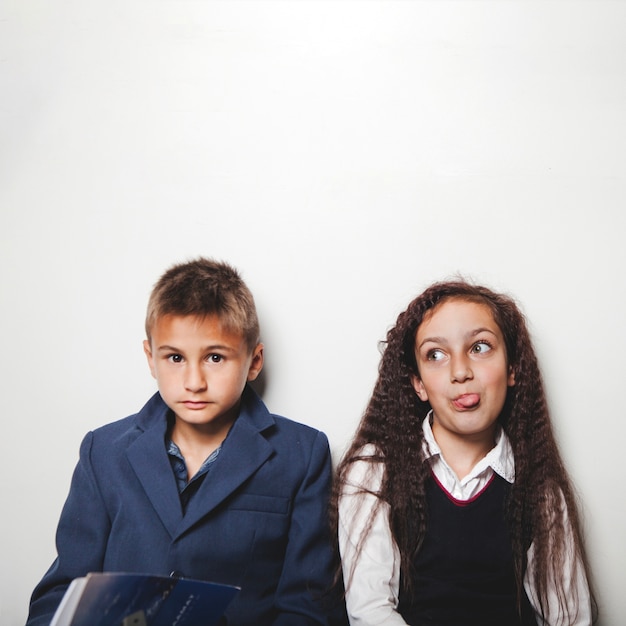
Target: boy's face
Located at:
point(201, 370)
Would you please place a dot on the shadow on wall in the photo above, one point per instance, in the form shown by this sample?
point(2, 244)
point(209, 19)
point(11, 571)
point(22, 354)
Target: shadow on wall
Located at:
point(260, 384)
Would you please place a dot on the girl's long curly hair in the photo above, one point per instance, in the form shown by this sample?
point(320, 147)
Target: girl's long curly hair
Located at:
point(392, 424)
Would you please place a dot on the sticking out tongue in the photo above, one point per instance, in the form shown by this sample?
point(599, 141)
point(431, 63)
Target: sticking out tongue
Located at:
point(467, 401)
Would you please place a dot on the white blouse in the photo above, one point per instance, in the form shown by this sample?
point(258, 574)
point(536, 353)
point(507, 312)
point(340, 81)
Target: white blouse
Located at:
point(373, 580)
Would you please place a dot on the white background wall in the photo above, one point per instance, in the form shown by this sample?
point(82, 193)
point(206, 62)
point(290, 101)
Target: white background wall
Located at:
point(342, 155)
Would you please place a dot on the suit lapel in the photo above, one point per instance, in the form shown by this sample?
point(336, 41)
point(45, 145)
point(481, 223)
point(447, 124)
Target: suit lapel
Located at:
point(148, 458)
point(243, 452)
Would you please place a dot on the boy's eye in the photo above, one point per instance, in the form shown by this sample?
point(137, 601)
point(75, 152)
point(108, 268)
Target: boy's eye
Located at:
point(175, 358)
point(480, 347)
point(434, 355)
point(215, 358)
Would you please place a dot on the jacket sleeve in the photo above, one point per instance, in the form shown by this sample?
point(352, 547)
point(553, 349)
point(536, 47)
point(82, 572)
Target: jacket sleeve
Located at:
point(307, 573)
point(80, 539)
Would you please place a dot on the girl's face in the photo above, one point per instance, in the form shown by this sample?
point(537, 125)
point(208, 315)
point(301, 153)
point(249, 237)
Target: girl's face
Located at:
point(463, 370)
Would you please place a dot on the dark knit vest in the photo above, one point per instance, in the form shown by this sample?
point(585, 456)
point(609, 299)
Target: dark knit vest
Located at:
point(464, 569)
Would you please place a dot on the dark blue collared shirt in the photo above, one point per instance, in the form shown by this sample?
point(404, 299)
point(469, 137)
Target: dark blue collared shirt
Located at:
point(187, 488)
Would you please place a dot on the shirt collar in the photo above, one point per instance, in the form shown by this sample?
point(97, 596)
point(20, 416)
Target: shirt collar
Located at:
point(500, 458)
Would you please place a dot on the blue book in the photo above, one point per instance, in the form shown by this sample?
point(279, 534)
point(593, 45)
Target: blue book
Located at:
point(115, 599)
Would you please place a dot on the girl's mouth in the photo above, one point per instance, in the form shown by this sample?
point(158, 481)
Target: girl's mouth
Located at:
point(466, 401)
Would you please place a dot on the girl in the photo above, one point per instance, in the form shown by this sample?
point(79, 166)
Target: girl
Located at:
point(452, 505)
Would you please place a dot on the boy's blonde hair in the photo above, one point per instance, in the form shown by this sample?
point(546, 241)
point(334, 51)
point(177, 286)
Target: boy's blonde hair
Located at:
point(205, 287)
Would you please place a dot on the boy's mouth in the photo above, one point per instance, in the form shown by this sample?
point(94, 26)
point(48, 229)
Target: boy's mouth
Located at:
point(466, 401)
point(194, 404)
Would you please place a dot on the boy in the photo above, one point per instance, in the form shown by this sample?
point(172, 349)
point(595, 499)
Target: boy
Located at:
point(203, 482)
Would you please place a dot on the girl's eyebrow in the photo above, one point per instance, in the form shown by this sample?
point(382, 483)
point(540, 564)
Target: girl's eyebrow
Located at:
point(444, 341)
point(433, 340)
point(482, 330)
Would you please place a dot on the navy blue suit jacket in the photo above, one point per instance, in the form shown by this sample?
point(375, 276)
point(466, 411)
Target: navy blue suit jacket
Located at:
point(259, 519)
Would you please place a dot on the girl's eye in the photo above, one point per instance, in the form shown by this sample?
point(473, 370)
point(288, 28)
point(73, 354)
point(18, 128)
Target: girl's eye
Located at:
point(215, 358)
point(175, 358)
point(434, 355)
point(480, 347)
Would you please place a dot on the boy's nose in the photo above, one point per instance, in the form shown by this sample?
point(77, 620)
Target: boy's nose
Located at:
point(194, 379)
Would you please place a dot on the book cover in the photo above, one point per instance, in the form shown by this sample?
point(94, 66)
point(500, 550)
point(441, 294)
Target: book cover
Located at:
point(114, 599)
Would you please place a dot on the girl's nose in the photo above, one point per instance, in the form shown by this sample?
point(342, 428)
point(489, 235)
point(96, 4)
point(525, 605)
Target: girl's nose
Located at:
point(460, 369)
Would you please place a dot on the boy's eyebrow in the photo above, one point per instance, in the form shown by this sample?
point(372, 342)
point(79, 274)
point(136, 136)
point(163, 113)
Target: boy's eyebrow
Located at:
point(217, 346)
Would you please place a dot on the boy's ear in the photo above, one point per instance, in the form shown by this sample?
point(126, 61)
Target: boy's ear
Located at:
point(148, 352)
point(256, 364)
point(420, 390)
